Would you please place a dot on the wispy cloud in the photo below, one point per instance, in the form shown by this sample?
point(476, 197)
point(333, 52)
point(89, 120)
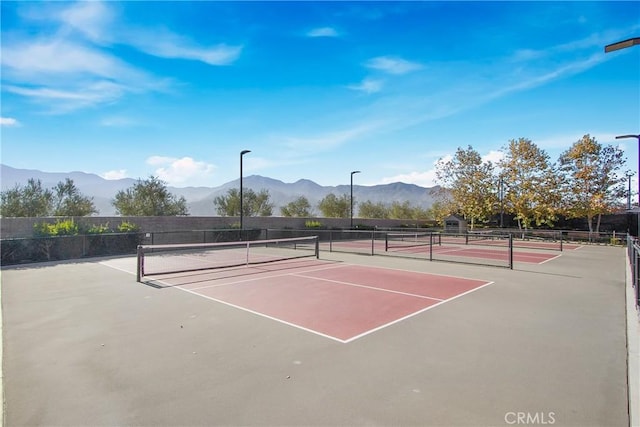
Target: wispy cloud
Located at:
point(166, 44)
point(367, 86)
point(179, 171)
point(323, 32)
point(9, 122)
point(392, 65)
point(70, 65)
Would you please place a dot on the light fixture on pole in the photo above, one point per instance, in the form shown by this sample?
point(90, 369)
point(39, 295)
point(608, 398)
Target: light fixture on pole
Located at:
point(629, 175)
point(351, 222)
point(638, 138)
point(242, 153)
point(621, 45)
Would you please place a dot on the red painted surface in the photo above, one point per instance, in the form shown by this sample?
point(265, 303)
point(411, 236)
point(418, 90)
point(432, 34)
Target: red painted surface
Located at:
point(336, 300)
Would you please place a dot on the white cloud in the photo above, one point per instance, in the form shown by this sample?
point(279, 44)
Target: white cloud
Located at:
point(493, 156)
point(91, 18)
point(392, 65)
point(115, 174)
point(165, 44)
point(323, 32)
point(368, 86)
point(181, 171)
point(9, 122)
point(423, 179)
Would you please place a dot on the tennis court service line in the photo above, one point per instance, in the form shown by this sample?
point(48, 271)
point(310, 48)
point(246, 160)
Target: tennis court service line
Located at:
point(410, 315)
point(266, 276)
point(375, 288)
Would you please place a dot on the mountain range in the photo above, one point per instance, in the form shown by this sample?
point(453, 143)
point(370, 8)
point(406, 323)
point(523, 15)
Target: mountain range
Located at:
point(200, 199)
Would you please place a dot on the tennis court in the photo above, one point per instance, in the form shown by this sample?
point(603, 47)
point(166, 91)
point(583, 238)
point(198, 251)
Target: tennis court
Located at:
point(342, 339)
point(333, 299)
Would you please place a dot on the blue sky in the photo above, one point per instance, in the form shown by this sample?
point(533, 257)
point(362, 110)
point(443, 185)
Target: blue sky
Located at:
point(314, 89)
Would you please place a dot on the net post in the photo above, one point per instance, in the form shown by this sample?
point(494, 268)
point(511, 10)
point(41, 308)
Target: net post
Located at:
point(386, 242)
point(430, 246)
point(373, 242)
point(560, 241)
point(139, 266)
point(317, 247)
point(510, 251)
point(466, 238)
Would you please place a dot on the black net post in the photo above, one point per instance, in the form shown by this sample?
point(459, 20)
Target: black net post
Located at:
point(430, 246)
point(510, 251)
point(140, 264)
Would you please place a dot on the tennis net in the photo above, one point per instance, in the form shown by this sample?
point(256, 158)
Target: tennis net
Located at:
point(180, 258)
point(409, 240)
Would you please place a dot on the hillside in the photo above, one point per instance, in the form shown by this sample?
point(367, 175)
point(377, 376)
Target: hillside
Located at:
point(200, 199)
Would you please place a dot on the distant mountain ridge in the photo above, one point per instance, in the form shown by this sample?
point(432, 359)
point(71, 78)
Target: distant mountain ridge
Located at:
point(200, 199)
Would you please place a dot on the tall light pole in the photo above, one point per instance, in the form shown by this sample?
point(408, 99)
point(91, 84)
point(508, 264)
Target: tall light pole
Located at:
point(629, 175)
point(638, 138)
point(352, 173)
point(242, 153)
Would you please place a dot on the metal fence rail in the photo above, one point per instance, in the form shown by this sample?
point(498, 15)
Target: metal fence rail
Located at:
point(633, 251)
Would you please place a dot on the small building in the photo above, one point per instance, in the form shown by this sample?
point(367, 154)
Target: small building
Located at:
point(455, 224)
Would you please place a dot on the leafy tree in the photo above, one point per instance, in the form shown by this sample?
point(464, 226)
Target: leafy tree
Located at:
point(32, 200)
point(531, 184)
point(592, 181)
point(470, 184)
point(300, 207)
point(439, 211)
point(149, 197)
point(369, 209)
point(68, 201)
point(332, 206)
point(253, 204)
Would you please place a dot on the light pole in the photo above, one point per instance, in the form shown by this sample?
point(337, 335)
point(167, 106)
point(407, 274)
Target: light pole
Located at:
point(638, 138)
point(629, 175)
point(242, 153)
point(352, 173)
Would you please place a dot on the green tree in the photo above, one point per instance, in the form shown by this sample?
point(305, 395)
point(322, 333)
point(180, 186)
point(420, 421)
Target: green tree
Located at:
point(369, 209)
point(592, 181)
point(300, 207)
point(253, 204)
point(332, 206)
point(469, 183)
point(149, 197)
point(532, 185)
point(68, 201)
point(32, 200)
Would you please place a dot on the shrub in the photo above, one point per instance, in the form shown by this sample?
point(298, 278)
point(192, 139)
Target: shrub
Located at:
point(99, 229)
point(67, 227)
point(313, 224)
point(128, 227)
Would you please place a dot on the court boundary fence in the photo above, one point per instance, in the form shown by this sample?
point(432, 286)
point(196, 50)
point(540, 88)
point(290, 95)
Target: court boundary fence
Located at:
point(633, 252)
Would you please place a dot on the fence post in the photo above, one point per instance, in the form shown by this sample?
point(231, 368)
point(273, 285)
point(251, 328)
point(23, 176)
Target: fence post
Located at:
point(140, 262)
point(510, 251)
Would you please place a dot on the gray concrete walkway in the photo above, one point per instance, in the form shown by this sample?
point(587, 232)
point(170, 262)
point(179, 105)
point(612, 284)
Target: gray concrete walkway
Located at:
point(84, 344)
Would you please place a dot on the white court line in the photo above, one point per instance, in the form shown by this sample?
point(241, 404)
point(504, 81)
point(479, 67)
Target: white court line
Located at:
point(253, 279)
point(367, 287)
point(550, 259)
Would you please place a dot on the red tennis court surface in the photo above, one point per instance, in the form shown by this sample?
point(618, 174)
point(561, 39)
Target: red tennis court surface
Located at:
point(339, 301)
point(461, 250)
